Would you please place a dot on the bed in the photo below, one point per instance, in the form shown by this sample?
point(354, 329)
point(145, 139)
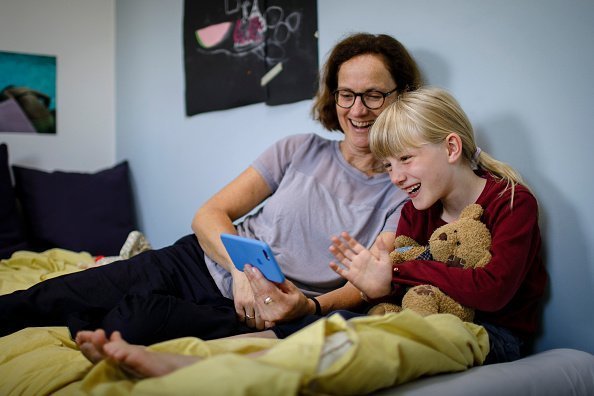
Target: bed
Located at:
point(395, 354)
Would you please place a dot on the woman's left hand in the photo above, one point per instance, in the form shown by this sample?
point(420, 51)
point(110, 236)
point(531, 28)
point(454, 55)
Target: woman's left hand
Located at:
point(276, 302)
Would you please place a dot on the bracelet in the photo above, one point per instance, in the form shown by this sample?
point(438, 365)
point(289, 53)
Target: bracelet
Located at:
point(318, 306)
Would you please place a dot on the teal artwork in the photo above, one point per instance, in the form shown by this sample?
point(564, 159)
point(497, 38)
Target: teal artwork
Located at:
point(27, 93)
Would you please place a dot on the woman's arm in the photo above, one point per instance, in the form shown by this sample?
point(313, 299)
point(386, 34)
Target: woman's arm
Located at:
point(216, 216)
point(290, 303)
point(277, 303)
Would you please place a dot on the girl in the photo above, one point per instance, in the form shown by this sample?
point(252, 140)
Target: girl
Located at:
point(427, 144)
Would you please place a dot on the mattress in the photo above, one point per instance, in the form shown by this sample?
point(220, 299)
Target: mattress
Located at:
point(555, 372)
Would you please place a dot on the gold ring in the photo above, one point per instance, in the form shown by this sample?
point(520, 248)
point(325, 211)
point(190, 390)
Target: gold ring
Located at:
point(249, 317)
point(267, 300)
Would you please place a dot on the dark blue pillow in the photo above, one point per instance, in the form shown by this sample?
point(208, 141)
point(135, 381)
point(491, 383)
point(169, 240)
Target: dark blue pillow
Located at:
point(12, 237)
point(92, 212)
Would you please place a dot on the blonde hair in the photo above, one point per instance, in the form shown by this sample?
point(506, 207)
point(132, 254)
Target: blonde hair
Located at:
point(429, 115)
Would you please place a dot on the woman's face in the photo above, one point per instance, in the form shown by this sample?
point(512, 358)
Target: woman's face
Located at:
point(361, 74)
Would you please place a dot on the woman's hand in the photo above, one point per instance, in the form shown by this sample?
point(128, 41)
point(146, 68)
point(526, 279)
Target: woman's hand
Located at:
point(276, 302)
point(243, 299)
point(369, 273)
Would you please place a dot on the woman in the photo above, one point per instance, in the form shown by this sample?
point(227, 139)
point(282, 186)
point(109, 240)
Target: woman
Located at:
point(313, 188)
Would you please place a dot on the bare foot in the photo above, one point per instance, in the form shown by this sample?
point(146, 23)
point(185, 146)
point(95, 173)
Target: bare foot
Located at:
point(140, 362)
point(91, 344)
point(136, 360)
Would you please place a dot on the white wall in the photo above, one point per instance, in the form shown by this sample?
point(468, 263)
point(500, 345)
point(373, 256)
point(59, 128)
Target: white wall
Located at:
point(522, 70)
point(81, 34)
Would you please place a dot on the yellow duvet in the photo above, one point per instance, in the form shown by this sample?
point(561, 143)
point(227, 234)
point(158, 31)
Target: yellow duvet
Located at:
point(332, 356)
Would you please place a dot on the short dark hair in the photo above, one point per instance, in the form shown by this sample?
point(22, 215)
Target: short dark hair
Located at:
point(397, 59)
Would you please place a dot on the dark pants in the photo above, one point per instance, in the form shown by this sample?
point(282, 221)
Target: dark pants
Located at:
point(504, 345)
point(286, 329)
point(154, 296)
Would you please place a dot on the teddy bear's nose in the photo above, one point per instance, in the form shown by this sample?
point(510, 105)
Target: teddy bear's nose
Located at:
point(443, 236)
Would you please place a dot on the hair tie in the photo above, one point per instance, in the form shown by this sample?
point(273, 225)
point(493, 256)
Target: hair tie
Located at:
point(476, 154)
point(475, 157)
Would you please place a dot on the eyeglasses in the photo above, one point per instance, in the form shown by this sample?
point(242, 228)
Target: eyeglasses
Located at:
point(373, 100)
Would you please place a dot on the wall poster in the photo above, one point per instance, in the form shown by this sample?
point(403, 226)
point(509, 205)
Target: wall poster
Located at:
point(242, 52)
point(27, 93)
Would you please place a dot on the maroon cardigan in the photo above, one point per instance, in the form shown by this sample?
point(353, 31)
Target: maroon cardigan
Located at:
point(506, 292)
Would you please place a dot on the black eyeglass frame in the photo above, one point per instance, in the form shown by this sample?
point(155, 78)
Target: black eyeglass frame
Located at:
point(362, 96)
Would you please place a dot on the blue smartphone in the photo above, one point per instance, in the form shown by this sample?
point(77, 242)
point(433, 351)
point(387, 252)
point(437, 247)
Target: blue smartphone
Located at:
point(256, 253)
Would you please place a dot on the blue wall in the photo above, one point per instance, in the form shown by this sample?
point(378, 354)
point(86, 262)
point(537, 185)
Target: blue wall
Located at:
point(521, 69)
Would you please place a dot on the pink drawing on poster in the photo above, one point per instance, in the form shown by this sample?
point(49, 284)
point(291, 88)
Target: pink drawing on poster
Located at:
point(213, 35)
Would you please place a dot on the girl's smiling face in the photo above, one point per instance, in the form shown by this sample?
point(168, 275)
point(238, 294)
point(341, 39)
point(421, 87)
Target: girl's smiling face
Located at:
point(422, 172)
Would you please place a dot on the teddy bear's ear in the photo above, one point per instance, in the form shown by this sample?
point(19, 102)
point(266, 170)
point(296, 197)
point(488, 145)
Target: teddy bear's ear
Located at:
point(472, 211)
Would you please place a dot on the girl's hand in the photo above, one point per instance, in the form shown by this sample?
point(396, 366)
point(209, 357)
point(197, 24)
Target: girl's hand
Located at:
point(370, 274)
point(276, 302)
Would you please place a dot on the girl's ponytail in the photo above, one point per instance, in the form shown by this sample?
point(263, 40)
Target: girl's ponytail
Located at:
point(500, 170)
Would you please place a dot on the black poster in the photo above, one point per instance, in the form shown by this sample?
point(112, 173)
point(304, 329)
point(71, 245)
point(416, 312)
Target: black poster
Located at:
point(243, 52)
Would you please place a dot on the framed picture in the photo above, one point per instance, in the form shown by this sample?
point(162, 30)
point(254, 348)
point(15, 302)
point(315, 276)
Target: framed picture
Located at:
point(27, 93)
point(242, 52)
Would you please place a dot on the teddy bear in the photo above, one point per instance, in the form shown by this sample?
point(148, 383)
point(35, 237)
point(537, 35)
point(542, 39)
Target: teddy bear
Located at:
point(464, 243)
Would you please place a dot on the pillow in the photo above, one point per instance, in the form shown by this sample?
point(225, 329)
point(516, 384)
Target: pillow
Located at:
point(12, 235)
point(92, 212)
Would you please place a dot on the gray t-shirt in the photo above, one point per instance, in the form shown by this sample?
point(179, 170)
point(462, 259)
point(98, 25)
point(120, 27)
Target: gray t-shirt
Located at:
point(316, 193)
